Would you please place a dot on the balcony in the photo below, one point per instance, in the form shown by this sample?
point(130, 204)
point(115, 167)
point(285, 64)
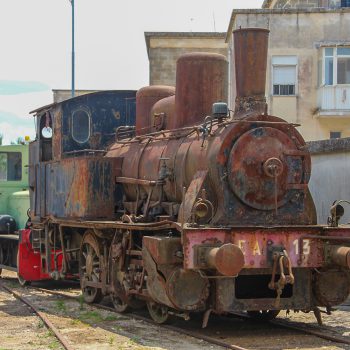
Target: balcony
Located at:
point(334, 100)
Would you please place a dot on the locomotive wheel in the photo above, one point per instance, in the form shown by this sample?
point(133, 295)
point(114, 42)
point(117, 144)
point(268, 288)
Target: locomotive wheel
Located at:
point(263, 315)
point(89, 267)
point(159, 313)
point(119, 304)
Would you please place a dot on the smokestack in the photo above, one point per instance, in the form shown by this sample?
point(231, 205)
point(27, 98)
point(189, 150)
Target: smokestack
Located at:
point(250, 50)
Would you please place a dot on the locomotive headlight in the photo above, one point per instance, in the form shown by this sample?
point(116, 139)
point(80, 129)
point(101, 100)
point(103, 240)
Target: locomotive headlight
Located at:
point(201, 209)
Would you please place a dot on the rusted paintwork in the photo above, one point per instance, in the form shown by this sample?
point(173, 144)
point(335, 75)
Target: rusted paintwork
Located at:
point(146, 97)
point(163, 114)
point(164, 249)
point(232, 178)
point(81, 188)
point(213, 214)
point(187, 289)
point(201, 80)
point(340, 256)
point(250, 52)
point(228, 259)
point(66, 179)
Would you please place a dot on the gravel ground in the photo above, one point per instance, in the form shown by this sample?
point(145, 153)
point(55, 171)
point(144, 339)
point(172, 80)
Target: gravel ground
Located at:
point(86, 327)
point(83, 326)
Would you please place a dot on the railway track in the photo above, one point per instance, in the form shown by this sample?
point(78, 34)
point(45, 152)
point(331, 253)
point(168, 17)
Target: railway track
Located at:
point(200, 334)
point(41, 315)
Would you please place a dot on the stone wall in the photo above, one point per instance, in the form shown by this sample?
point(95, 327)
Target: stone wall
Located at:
point(301, 4)
point(164, 49)
point(330, 175)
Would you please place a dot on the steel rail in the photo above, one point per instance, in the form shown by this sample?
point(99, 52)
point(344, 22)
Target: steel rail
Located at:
point(295, 327)
point(148, 320)
point(41, 315)
point(283, 324)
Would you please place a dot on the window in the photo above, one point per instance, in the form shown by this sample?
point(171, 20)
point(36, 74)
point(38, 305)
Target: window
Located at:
point(336, 65)
point(345, 3)
point(81, 125)
point(10, 166)
point(284, 75)
point(335, 135)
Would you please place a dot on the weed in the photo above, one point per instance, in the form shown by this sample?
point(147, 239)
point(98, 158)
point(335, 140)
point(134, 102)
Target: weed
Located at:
point(40, 325)
point(91, 316)
point(81, 302)
point(111, 340)
point(54, 345)
point(60, 305)
point(110, 318)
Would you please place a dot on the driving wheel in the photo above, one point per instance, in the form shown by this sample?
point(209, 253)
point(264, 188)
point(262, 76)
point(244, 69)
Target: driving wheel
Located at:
point(158, 312)
point(89, 267)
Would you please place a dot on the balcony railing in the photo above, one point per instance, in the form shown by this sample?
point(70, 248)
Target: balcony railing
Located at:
point(334, 98)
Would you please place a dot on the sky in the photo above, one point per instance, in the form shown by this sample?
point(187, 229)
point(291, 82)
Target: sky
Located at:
point(110, 49)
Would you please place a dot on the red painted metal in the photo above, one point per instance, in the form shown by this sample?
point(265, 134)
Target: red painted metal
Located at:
point(258, 245)
point(29, 261)
point(201, 80)
point(145, 99)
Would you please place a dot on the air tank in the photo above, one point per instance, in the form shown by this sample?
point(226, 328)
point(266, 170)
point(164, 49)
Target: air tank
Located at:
point(201, 80)
point(146, 97)
point(8, 224)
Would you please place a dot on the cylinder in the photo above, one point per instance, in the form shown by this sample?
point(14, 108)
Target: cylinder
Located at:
point(146, 97)
point(201, 80)
point(163, 114)
point(227, 259)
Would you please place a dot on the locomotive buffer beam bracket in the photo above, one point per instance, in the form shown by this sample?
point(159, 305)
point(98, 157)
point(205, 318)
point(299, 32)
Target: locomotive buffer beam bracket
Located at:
point(281, 261)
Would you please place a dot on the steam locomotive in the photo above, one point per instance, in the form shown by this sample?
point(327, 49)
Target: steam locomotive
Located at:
point(196, 209)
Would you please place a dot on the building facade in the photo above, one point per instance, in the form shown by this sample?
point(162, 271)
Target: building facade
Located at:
point(164, 48)
point(60, 95)
point(308, 75)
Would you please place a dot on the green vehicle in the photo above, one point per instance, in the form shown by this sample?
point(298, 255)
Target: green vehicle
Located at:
point(14, 201)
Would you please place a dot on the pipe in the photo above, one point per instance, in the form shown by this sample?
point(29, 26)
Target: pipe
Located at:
point(250, 55)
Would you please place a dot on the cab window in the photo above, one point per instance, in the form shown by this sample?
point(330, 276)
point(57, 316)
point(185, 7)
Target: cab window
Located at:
point(10, 166)
point(81, 126)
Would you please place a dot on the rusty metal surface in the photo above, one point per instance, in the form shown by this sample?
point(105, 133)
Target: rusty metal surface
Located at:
point(201, 80)
point(250, 52)
point(187, 289)
point(184, 154)
point(80, 188)
point(107, 109)
point(340, 256)
point(163, 114)
point(259, 244)
point(163, 249)
point(146, 97)
point(331, 287)
point(228, 259)
point(237, 294)
point(250, 181)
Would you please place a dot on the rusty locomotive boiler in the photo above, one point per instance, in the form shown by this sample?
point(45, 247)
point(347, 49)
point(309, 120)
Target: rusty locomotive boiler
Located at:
point(197, 208)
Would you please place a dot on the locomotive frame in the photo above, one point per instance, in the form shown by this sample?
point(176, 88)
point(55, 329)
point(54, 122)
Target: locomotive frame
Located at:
point(194, 210)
